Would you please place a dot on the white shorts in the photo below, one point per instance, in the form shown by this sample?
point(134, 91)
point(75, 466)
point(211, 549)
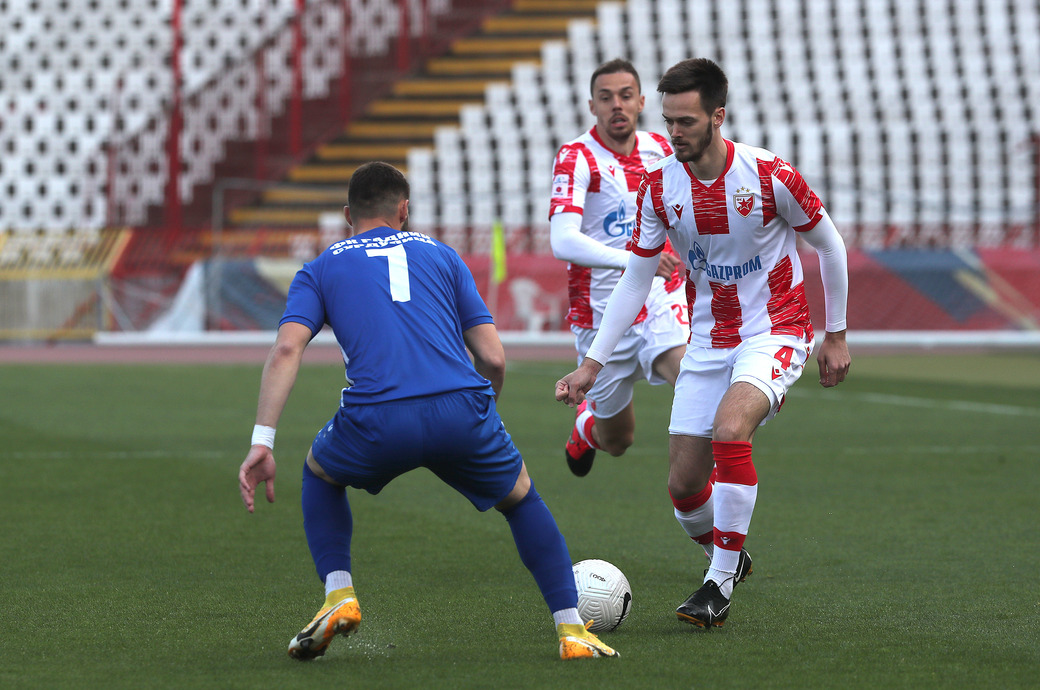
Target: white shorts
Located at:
point(665, 327)
point(771, 363)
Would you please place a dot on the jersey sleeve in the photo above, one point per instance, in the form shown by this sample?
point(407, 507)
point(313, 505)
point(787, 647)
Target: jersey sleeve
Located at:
point(572, 180)
point(834, 270)
point(471, 307)
point(569, 243)
point(304, 303)
point(625, 301)
point(795, 201)
point(648, 239)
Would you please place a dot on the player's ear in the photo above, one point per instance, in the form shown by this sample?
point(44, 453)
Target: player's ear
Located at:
point(402, 210)
point(719, 117)
point(346, 214)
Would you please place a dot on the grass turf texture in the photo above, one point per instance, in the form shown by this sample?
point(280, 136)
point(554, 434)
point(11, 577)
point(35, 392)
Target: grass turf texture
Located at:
point(895, 540)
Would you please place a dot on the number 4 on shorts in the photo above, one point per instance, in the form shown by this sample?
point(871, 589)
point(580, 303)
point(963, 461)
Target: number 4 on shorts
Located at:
point(784, 356)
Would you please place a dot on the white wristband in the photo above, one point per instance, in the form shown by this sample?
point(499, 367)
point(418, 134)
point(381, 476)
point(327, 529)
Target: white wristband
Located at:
point(263, 436)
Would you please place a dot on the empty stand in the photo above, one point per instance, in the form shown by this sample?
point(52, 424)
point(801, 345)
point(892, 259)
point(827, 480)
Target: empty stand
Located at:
point(898, 113)
point(913, 113)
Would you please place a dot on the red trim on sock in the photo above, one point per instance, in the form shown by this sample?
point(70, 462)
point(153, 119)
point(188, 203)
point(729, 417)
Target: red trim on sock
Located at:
point(730, 541)
point(705, 539)
point(733, 463)
point(693, 502)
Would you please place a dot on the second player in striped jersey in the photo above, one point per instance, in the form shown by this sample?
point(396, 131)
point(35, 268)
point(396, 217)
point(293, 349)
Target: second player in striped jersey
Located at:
point(592, 217)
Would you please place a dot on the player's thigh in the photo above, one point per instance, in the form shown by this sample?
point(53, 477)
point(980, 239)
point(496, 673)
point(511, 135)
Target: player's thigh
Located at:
point(615, 382)
point(772, 364)
point(467, 446)
point(704, 377)
point(666, 329)
point(366, 446)
point(742, 409)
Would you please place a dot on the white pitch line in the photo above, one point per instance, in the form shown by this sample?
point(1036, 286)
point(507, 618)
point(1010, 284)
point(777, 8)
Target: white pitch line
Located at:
point(942, 450)
point(113, 455)
point(957, 405)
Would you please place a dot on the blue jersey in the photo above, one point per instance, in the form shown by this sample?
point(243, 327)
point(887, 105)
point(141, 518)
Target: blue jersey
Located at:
point(397, 303)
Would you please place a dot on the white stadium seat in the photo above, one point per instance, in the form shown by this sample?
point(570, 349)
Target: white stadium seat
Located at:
point(925, 67)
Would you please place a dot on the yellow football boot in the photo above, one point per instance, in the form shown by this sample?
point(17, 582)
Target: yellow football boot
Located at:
point(576, 642)
point(339, 616)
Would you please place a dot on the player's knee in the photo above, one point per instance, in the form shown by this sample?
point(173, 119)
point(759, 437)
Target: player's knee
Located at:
point(617, 444)
point(731, 431)
point(520, 491)
point(682, 486)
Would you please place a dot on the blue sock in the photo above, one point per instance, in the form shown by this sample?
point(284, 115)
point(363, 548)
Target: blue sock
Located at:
point(327, 522)
point(543, 550)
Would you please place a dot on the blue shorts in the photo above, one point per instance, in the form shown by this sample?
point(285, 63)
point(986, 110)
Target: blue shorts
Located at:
point(457, 436)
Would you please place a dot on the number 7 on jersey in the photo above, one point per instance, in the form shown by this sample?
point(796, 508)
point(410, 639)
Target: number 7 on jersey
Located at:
point(397, 260)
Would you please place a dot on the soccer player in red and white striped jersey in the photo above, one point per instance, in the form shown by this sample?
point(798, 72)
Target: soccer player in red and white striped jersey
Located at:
point(592, 217)
point(733, 213)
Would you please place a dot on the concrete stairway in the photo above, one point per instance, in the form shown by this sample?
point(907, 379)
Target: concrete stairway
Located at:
point(409, 115)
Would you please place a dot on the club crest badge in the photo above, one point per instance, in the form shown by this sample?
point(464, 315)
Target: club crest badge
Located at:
point(649, 157)
point(744, 201)
point(561, 186)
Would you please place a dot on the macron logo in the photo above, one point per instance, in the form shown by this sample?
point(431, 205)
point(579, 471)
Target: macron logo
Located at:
point(678, 208)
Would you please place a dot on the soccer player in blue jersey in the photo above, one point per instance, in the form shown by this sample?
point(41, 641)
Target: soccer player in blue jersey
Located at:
point(405, 310)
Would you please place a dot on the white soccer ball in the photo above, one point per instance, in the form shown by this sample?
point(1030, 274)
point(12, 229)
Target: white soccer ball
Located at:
point(604, 595)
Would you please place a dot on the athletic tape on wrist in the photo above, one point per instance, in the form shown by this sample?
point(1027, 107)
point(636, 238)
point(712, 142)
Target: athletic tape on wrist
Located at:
point(263, 436)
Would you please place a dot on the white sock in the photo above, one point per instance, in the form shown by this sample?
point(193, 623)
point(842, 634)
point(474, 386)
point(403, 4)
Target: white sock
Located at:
point(567, 616)
point(579, 423)
point(337, 579)
point(698, 522)
point(723, 570)
point(734, 505)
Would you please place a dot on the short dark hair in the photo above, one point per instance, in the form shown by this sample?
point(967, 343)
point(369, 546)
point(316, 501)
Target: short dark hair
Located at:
point(700, 75)
point(375, 189)
point(613, 67)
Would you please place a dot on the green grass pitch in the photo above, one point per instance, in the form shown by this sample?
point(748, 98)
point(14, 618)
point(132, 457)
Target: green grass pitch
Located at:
point(895, 540)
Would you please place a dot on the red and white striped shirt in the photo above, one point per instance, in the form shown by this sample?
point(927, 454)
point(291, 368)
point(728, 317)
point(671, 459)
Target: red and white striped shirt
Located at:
point(592, 180)
point(737, 238)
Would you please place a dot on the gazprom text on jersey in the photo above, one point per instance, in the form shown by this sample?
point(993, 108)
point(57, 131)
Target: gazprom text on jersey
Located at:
point(719, 272)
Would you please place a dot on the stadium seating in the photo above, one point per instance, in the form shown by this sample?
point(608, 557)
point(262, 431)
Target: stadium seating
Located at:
point(917, 113)
point(911, 114)
point(78, 77)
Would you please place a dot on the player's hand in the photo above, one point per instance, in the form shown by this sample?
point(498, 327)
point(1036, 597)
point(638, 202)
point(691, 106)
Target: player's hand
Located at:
point(666, 264)
point(834, 359)
point(257, 467)
point(571, 389)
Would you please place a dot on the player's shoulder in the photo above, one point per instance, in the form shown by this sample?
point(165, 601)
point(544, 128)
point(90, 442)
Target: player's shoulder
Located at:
point(579, 142)
point(574, 150)
point(663, 165)
point(653, 139)
point(751, 152)
point(652, 147)
point(759, 156)
point(774, 165)
point(421, 238)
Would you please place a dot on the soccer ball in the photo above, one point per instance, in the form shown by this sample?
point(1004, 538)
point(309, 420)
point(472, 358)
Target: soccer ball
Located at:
point(604, 595)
